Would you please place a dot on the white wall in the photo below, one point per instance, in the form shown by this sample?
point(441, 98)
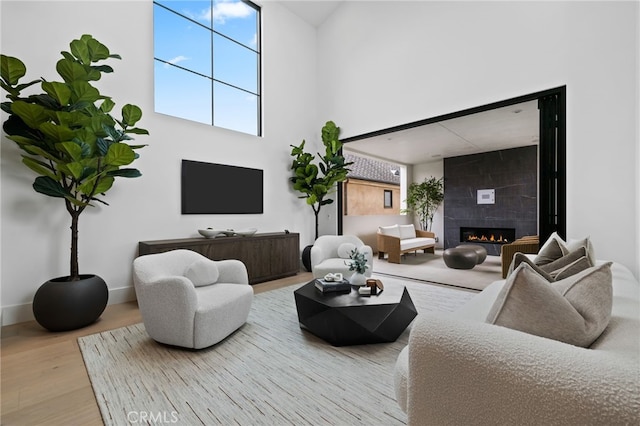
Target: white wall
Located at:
point(35, 229)
point(389, 63)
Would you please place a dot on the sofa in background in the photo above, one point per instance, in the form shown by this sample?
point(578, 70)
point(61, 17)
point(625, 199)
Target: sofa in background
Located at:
point(459, 369)
point(330, 254)
point(528, 244)
point(395, 240)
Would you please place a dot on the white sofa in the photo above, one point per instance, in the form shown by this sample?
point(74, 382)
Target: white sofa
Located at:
point(395, 240)
point(458, 369)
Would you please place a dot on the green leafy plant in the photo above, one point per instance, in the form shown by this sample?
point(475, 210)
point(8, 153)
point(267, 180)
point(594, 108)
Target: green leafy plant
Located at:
point(318, 180)
point(358, 262)
point(68, 135)
point(424, 199)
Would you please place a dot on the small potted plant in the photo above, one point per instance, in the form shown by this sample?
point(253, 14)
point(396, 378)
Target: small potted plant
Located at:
point(358, 263)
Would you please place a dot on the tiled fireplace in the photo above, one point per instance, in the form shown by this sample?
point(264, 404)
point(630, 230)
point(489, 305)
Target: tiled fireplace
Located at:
point(512, 212)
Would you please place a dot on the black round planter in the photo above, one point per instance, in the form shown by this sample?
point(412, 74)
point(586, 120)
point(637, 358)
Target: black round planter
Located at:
point(61, 304)
point(306, 258)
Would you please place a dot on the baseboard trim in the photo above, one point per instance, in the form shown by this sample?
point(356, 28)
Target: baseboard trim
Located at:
point(15, 314)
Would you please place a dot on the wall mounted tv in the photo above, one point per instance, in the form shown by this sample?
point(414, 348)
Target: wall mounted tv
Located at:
point(209, 188)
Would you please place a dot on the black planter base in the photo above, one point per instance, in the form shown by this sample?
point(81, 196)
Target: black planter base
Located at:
point(62, 305)
point(306, 258)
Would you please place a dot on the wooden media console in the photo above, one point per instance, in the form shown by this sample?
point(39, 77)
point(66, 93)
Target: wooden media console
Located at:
point(267, 256)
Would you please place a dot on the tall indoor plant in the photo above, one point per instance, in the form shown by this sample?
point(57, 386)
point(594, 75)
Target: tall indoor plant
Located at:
point(317, 179)
point(424, 198)
point(70, 139)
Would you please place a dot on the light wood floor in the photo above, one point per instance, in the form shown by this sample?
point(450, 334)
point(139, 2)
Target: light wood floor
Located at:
point(43, 377)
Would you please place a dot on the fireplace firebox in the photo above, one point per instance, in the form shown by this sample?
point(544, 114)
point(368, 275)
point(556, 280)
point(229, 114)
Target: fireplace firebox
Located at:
point(487, 235)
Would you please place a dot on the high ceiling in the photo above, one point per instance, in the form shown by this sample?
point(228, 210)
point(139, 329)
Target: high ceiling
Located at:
point(312, 11)
point(502, 128)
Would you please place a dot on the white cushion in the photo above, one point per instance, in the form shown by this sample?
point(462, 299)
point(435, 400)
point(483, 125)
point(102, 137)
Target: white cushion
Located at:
point(345, 249)
point(552, 249)
point(393, 230)
point(416, 243)
point(334, 265)
point(586, 243)
point(555, 248)
point(558, 269)
point(575, 310)
point(407, 231)
point(202, 272)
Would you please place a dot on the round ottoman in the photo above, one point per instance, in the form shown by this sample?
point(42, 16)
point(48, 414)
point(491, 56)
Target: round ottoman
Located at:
point(480, 251)
point(460, 258)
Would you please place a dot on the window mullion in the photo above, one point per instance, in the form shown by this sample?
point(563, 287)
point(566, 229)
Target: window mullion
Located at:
point(213, 77)
point(183, 76)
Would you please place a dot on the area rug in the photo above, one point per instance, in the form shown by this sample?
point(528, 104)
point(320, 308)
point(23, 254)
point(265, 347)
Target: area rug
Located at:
point(268, 372)
point(431, 267)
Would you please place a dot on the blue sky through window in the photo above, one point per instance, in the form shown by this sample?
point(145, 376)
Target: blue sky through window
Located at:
point(200, 74)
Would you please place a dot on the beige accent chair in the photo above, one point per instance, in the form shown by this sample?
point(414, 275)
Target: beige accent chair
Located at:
point(397, 240)
point(330, 254)
point(527, 245)
point(189, 300)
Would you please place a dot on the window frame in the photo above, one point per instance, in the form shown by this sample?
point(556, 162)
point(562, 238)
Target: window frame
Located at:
point(212, 79)
point(389, 204)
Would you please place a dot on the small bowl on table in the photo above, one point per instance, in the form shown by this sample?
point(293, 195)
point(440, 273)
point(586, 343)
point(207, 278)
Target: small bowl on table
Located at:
point(209, 233)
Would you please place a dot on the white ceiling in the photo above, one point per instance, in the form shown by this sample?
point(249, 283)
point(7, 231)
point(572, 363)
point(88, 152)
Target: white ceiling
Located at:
point(313, 12)
point(502, 128)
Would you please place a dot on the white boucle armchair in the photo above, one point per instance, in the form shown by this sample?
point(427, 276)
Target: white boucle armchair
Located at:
point(330, 253)
point(459, 370)
point(188, 300)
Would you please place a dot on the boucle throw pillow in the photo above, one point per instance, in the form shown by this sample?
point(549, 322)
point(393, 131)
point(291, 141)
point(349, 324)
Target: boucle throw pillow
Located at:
point(345, 249)
point(575, 310)
point(202, 272)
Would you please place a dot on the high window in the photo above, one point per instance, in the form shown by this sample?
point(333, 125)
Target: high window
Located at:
point(207, 62)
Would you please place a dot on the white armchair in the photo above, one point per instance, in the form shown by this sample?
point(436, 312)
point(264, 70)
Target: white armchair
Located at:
point(188, 300)
point(330, 253)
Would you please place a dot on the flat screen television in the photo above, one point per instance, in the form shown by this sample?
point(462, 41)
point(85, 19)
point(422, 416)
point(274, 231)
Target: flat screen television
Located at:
point(209, 188)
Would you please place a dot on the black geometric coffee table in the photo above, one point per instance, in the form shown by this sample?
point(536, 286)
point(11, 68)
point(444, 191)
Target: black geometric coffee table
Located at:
point(351, 319)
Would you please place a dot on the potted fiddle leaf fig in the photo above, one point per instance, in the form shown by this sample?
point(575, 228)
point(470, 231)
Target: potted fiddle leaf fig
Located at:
point(71, 140)
point(317, 179)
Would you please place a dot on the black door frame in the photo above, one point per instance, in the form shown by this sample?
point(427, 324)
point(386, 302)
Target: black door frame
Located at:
point(552, 155)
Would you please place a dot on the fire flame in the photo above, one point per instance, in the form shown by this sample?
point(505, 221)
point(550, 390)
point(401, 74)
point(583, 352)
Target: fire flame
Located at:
point(490, 238)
